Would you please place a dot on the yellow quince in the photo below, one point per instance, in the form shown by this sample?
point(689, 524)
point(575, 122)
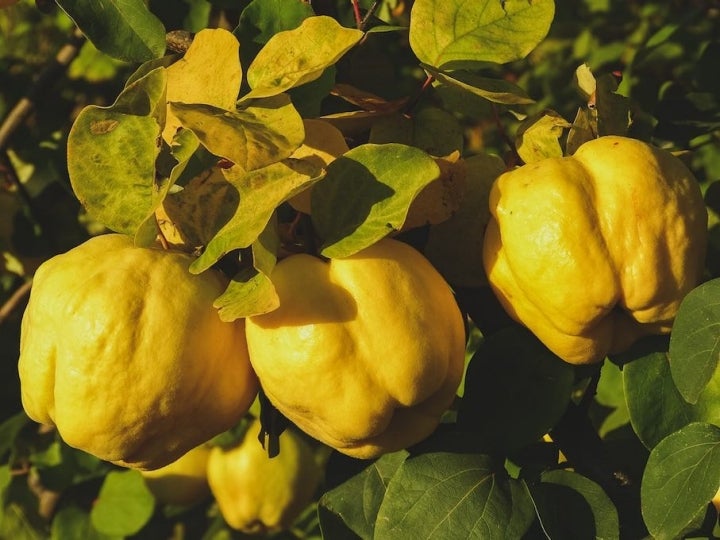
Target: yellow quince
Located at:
point(593, 251)
point(182, 482)
point(122, 350)
point(258, 494)
point(365, 353)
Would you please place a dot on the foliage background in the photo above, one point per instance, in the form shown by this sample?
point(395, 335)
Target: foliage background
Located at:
point(663, 52)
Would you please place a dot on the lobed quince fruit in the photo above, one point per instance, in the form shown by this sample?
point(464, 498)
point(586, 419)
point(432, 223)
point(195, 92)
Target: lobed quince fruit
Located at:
point(122, 350)
point(258, 494)
point(365, 353)
point(593, 251)
point(182, 482)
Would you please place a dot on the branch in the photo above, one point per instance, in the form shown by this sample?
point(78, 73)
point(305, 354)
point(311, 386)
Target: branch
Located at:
point(18, 296)
point(45, 78)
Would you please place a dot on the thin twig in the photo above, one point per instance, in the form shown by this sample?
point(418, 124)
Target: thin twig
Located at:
point(46, 77)
point(413, 102)
point(14, 301)
point(356, 11)
point(368, 15)
point(7, 171)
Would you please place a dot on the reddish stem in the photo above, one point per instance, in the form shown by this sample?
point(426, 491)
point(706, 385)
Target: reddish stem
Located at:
point(356, 11)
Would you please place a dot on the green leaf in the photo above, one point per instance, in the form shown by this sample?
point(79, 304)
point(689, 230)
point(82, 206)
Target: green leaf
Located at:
point(494, 90)
point(366, 194)
point(265, 131)
point(452, 34)
point(455, 246)
point(431, 129)
point(538, 137)
point(515, 390)
point(233, 209)
point(124, 504)
point(354, 504)
point(72, 522)
point(571, 506)
point(449, 494)
point(112, 153)
point(250, 291)
point(9, 431)
point(18, 522)
point(294, 57)
point(610, 394)
point(680, 478)
point(695, 340)
point(123, 29)
point(5, 479)
point(656, 407)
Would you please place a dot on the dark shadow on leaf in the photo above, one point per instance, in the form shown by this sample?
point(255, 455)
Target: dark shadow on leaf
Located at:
point(343, 200)
point(563, 512)
point(203, 208)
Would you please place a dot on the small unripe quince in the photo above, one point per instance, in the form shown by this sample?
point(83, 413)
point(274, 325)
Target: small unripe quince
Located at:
point(365, 353)
point(184, 481)
point(257, 494)
point(122, 350)
point(593, 251)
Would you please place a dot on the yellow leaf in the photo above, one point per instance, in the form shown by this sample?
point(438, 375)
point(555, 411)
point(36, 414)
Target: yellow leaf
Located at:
point(294, 57)
point(209, 73)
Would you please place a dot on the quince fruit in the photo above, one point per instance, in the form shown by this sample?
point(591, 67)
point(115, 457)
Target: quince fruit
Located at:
point(365, 353)
point(593, 251)
point(122, 350)
point(184, 481)
point(258, 494)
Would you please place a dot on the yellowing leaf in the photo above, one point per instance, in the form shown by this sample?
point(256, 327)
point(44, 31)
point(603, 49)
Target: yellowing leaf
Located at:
point(259, 193)
point(453, 33)
point(538, 136)
point(251, 292)
point(224, 210)
point(265, 132)
point(112, 153)
point(495, 90)
point(323, 143)
point(209, 73)
point(294, 57)
point(441, 198)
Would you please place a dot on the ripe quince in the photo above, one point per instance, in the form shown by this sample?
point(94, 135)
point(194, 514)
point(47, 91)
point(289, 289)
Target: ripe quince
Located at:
point(258, 494)
point(593, 251)
point(365, 353)
point(122, 350)
point(184, 481)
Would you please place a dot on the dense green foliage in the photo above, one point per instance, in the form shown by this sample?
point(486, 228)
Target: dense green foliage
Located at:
point(462, 89)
